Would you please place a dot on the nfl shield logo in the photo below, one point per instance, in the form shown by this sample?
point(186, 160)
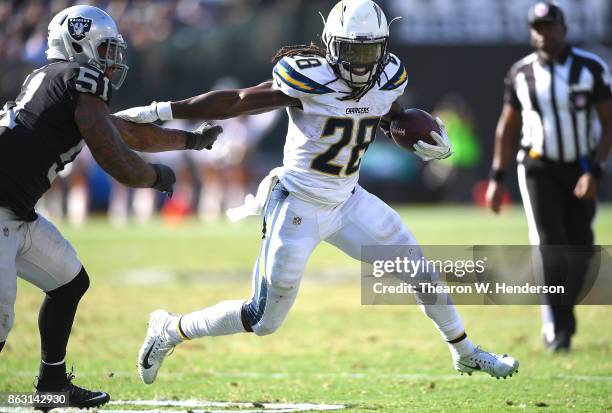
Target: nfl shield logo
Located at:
point(579, 100)
point(5, 231)
point(78, 27)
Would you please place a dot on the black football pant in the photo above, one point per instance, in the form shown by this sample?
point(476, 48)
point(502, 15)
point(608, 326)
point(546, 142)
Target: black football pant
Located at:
point(562, 229)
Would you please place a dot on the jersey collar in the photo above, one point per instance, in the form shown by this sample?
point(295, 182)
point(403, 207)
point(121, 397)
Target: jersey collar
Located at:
point(561, 59)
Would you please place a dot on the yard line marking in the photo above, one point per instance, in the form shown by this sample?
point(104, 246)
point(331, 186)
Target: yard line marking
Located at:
point(161, 275)
point(101, 409)
point(259, 407)
point(161, 405)
point(600, 378)
point(214, 411)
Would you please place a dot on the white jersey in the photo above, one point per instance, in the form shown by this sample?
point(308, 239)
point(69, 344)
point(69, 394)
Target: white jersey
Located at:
point(327, 136)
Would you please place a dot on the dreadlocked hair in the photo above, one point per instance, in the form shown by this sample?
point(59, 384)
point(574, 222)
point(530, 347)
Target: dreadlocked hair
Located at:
point(302, 49)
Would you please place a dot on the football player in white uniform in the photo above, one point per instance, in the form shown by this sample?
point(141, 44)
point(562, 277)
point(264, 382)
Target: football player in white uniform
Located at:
point(335, 97)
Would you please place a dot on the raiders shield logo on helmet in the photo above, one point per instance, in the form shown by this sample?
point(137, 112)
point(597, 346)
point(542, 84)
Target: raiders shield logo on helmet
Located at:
point(78, 27)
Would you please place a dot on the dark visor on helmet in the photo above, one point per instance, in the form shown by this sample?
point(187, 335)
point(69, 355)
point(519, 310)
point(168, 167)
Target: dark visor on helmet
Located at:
point(360, 54)
point(362, 59)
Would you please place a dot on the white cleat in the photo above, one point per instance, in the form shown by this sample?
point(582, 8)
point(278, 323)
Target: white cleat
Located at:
point(497, 365)
point(157, 345)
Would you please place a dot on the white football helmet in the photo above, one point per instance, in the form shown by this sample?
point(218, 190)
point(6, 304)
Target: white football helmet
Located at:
point(356, 36)
point(79, 33)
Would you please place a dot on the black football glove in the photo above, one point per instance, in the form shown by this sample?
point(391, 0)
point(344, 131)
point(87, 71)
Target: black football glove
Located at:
point(165, 179)
point(203, 137)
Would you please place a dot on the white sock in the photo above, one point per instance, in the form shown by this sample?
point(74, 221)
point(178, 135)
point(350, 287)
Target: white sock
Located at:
point(173, 332)
point(449, 324)
point(219, 320)
point(447, 320)
point(547, 316)
point(463, 348)
point(548, 324)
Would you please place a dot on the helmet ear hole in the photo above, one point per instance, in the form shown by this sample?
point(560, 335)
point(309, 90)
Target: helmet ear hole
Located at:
point(77, 47)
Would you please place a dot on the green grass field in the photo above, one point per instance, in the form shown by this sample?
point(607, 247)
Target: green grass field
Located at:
point(330, 350)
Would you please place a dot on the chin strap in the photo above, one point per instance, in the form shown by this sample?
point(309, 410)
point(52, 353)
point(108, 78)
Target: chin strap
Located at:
point(357, 94)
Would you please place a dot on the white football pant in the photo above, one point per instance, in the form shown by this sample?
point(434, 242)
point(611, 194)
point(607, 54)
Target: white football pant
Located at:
point(294, 227)
point(38, 253)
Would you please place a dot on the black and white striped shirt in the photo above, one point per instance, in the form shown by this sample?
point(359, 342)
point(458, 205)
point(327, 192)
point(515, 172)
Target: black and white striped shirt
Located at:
point(557, 101)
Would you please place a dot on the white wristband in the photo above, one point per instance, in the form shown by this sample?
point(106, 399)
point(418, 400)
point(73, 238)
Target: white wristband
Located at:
point(164, 111)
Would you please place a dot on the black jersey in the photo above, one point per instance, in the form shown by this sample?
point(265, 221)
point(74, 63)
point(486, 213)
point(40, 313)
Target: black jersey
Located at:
point(38, 134)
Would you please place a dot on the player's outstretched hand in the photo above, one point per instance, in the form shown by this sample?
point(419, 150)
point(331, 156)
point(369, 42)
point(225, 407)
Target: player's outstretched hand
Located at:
point(441, 150)
point(147, 114)
point(203, 137)
point(165, 179)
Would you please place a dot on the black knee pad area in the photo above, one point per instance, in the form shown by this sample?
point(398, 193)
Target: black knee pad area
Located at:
point(74, 289)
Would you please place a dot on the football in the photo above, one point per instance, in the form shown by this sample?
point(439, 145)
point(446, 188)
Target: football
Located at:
point(411, 126)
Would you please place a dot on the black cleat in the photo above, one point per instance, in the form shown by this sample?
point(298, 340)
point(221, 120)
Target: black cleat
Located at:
point(561, 343)
point(77, 396)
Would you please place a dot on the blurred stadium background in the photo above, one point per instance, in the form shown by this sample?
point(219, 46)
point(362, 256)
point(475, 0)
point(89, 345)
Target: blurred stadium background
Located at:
point(456, 52)
point(331, 349)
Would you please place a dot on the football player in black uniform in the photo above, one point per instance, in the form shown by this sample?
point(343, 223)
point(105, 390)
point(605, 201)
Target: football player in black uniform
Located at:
point(62, 107)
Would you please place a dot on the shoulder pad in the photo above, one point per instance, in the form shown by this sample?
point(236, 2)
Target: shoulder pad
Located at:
point(89, 79)
point(395, 75)
point(300, 76)
point(595, 62)
point(527, 60)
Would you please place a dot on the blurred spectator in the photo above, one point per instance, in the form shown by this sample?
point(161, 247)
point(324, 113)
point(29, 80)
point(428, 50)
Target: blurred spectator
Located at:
point(126, 202)
point(467, 153)
point(69, 195)
point(487, 21)
point(459, 121)
point(221, 173)
point(180, 47)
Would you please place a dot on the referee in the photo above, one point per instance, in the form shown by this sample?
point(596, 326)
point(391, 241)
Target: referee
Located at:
point(561, 97)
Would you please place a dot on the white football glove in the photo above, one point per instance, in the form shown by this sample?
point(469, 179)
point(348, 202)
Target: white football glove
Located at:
point(441, 150)
point(147, 114)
